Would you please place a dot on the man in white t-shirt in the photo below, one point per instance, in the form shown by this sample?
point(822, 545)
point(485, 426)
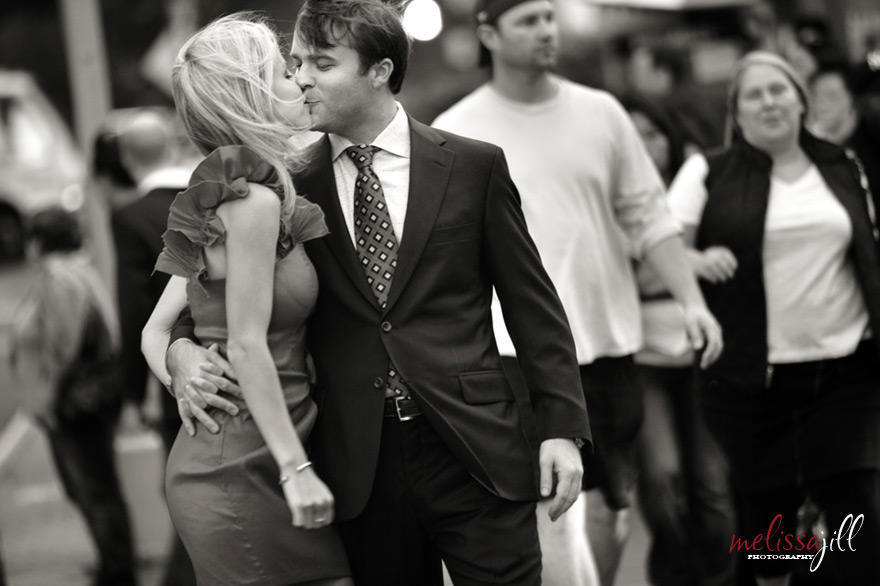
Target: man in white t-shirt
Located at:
point(593, 202)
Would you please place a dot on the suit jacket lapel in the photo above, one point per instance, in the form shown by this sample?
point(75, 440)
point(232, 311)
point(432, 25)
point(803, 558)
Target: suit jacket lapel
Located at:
point(430, 166)
point(318, 183)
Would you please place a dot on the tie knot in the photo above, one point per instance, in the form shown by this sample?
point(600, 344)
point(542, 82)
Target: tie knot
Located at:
point(361, 154)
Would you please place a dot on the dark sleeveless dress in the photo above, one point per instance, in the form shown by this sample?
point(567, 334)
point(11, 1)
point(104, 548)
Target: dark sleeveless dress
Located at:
point(222, 490)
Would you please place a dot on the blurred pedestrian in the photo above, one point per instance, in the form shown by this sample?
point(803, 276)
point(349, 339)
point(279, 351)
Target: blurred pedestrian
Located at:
point(592, 199)
point(78, 335)
point(12, 234)
point(660, 75)
point(794, 399)
point(149, 155)
point(836, 118)
point(683, 486)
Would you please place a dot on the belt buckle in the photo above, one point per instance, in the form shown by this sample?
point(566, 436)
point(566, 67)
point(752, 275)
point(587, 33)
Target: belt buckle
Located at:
point(401, 416)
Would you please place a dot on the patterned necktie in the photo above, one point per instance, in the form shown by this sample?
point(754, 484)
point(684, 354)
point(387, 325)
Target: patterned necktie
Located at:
point(375, 239)
point(373, 232)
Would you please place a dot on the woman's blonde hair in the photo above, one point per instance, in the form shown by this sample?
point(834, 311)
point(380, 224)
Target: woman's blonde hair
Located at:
point(222, 82)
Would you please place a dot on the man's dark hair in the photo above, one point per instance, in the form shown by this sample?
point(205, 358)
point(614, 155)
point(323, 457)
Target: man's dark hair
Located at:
point(56, 230)
point(370, 27)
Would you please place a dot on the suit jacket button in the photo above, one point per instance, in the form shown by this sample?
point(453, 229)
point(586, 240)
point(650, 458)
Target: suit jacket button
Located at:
point(386, 326)
point(378, 383)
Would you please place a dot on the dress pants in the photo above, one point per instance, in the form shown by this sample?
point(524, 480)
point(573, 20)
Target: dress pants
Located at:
point(425, 506)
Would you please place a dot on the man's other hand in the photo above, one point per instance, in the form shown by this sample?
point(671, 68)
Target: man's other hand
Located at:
point(560, 458)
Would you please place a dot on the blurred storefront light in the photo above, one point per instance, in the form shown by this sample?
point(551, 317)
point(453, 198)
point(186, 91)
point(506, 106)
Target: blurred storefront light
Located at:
point(422, 20)
point(72, 197)
point(460, 47)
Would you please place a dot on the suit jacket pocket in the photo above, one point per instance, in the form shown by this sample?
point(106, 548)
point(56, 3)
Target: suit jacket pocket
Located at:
point(452, 234)
point(484, 386)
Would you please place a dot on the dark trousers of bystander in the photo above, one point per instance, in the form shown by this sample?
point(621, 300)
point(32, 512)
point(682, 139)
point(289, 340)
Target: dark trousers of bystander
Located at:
point(814, 431)
point(84, 457)
point(851, 493)
point(684, 492)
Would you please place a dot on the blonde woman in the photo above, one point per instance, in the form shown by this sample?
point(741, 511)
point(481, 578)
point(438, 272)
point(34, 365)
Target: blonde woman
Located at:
point(246, 502)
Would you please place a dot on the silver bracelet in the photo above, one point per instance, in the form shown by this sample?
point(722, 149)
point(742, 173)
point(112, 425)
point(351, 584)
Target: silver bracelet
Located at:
point(285, 477)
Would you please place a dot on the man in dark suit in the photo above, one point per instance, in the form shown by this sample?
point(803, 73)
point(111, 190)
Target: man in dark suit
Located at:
point(148, 152)
point(419, 435)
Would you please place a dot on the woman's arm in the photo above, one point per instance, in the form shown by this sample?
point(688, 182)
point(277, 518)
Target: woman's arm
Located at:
point(154, 336)
point(252, 226)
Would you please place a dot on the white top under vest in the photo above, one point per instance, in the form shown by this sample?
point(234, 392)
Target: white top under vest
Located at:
point(815, 308)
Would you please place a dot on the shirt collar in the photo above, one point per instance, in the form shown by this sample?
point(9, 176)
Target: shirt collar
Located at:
point(169, 177)
point(393, 139)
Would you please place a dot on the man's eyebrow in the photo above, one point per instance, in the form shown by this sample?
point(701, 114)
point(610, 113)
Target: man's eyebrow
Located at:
point(312, 56)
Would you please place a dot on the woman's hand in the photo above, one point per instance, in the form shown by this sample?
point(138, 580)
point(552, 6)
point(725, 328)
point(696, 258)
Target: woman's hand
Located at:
point(308, 498)
point(716, 264)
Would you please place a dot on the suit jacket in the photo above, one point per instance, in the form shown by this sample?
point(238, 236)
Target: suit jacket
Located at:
point(137, 231)
point(464, 233)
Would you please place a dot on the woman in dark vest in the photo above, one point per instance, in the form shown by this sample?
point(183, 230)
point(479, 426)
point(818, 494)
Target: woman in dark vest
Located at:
point(794, 399)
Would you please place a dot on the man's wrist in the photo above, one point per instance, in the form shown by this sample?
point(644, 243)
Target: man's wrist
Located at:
point(579, 442)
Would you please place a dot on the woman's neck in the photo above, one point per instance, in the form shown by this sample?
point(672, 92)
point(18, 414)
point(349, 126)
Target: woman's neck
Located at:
point(789, 162)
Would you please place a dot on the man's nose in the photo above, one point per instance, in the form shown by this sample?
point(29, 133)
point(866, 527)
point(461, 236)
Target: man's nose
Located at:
point(303, 78)
point(547, 28)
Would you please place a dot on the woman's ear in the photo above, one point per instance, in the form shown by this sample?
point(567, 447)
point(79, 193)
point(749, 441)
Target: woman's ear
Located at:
point(381, 72)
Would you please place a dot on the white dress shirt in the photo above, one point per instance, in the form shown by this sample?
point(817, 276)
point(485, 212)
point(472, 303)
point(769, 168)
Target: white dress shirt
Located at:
point(391, 165)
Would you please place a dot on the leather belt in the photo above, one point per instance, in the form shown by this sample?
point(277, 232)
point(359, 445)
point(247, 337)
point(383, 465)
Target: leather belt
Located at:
point(401, 408)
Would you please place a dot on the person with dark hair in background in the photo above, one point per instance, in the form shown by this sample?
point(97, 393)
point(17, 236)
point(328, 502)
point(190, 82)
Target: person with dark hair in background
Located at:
point(12, 234)
point(148, 155)
point(836, 118)
point(684, 492)
point(418, 435)
point(107, 166)
point(78, 334)
point(592, 200)
point(793, 400)
point(660, 75)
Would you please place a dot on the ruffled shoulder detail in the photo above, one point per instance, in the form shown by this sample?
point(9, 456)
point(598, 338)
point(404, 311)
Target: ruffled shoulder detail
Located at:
point(193, 224)
point(306, 224)
point(308, 221)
